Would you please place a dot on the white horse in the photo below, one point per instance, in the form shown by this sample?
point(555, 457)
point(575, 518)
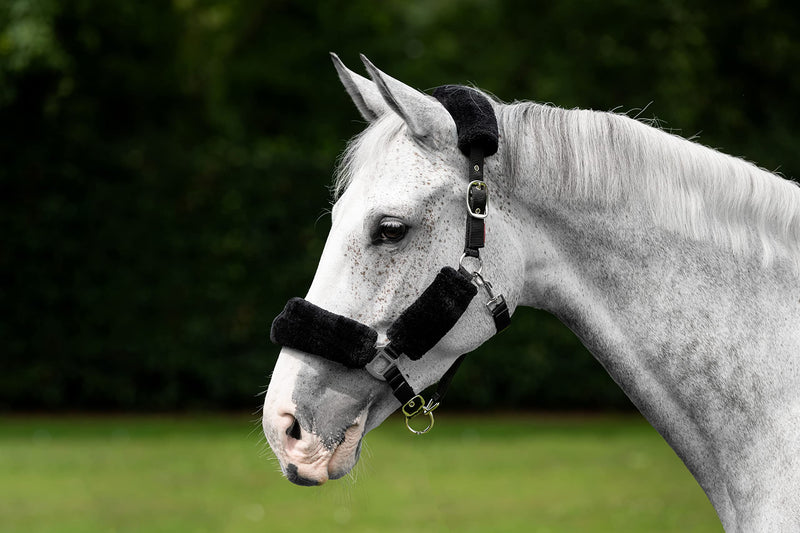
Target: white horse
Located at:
point(676, 265)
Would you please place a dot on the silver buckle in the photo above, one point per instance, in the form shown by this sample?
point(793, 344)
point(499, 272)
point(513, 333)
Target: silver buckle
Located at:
point(495, 302)
point(385, 359)
point(477, 184)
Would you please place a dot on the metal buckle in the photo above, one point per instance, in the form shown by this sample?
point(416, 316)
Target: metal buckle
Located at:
point(477, 184)
point(413, 406)
point(384, 359)
point(480, 281)
point(495, 302)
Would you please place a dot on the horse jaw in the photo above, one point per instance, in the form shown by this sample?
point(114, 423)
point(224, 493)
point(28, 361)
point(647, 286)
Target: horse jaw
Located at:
point(316, 431)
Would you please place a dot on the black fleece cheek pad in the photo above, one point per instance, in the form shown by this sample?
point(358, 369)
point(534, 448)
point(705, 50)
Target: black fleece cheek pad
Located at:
point(304, 326)
point(433, 314)
point(474, 116)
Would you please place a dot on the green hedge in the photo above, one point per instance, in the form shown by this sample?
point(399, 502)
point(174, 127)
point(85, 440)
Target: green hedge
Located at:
point(164, 169)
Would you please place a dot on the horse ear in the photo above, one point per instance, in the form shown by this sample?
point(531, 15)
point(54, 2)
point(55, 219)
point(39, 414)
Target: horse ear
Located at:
point(420, 112)
point(363, 92)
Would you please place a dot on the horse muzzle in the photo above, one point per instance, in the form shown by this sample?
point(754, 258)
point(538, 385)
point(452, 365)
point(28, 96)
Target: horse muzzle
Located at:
point(315, 416)
point(308, 459)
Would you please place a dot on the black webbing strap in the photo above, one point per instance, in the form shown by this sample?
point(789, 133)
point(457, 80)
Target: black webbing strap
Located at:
point(406, 395)
point(500, 314)
point(400, 387)
point(447, 378)
point(475, 237)
point(477, 201)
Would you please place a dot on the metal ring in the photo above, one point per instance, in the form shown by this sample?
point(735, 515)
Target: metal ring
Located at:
point(478, 259)
point(423, 431)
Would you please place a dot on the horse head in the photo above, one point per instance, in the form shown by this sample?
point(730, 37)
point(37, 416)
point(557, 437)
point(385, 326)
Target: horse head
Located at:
point(397, 220)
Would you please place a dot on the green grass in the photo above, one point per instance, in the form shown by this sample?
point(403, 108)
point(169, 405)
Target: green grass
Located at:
point(470, 474)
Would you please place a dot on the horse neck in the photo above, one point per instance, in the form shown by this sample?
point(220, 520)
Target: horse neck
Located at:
point(673, 314)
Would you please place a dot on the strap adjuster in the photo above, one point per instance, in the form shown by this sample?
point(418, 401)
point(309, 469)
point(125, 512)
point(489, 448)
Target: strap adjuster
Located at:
point(477, 198)
point(384, 359)
point(498, 307)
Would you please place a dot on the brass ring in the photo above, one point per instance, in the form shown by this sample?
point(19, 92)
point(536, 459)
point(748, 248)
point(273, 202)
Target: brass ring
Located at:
point(427, 429)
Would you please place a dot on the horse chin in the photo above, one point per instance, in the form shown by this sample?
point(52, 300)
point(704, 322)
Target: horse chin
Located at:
point(346, 455)
point(322, 438)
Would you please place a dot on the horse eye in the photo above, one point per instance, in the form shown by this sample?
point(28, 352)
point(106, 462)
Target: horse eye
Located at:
point(391, 231)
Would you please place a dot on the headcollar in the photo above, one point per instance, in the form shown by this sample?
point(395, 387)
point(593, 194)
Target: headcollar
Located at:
point(306, 327)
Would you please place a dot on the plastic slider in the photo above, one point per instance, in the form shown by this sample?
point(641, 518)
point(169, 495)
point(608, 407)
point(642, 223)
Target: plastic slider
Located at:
point(384, 359)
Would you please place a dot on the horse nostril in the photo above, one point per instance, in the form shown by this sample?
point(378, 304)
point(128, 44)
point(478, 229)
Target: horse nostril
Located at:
point(293, 431)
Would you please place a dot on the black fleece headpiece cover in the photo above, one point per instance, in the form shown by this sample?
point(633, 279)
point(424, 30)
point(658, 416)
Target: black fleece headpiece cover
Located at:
point(474, 116)
point(306, 327)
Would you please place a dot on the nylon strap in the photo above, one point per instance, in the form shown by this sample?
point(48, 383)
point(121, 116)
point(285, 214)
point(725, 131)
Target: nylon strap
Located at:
point(500, 314)
point(405, 393)
point(400, 387)
point(477, 202)
point(447, 378)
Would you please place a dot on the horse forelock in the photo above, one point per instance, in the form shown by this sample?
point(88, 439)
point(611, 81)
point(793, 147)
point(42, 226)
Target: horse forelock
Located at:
point(364, 150)
point(610, 159)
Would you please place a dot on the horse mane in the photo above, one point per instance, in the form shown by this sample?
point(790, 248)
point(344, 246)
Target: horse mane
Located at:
point(611, 159)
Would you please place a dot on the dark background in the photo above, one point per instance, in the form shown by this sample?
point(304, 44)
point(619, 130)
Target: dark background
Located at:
point(164, 170)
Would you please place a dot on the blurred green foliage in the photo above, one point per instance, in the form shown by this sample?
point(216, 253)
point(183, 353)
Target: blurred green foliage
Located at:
point(165, 168)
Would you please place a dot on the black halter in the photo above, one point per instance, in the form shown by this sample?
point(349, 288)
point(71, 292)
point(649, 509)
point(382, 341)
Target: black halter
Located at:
point(306, 327)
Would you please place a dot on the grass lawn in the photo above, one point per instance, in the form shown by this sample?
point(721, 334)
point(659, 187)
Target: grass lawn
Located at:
point(213, 474)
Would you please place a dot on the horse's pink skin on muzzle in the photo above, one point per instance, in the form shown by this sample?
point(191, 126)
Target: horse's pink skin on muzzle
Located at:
point(314, 428)
point(304, 457)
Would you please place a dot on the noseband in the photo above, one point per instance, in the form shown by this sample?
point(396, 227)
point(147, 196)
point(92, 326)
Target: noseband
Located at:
point(306, 327)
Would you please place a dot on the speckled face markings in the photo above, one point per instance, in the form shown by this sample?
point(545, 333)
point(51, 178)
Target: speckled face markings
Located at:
point(374, 282)
point(414, 186)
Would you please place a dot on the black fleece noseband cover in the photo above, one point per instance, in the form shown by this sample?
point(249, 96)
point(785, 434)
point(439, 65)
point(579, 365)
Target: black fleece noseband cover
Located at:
point(474, 116)
point(306, 327)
